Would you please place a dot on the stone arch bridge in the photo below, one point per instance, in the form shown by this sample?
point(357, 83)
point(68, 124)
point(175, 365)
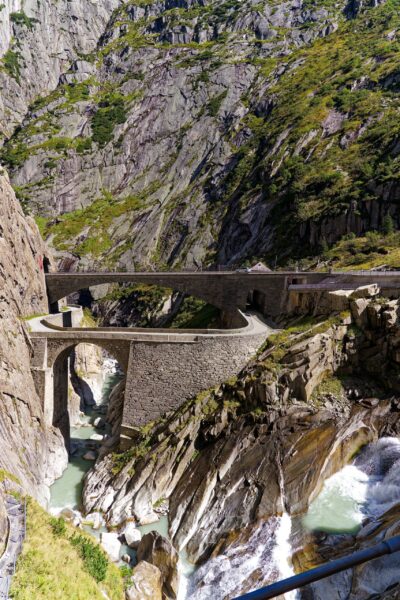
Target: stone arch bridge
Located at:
point(163, 367)
point(227, 290)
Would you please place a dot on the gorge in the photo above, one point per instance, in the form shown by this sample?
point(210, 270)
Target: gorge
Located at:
point(199, 297)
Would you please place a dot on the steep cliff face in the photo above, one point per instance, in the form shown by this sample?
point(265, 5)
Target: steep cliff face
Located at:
point(30, 451)
point(38, 42)
point(203, 132)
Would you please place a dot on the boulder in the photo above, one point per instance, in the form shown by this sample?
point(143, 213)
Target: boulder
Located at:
point(132, 535)
point(68, 514)
point(366, 291)
point(146, 583)
point(99, 423)
point(358, 310)
point(90, 455)
point(158, 551)
point(111, 544)
point(339, 300)
point(95, 519)
point(149, 518)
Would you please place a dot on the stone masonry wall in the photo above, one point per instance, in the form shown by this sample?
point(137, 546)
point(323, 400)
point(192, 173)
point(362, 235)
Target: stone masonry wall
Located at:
point(161, 376)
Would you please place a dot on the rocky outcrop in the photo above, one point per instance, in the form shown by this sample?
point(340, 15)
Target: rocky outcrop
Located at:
point(145, 583)
point(158, 551)
point(29, 450)
point(241, 454)
point(38, 42)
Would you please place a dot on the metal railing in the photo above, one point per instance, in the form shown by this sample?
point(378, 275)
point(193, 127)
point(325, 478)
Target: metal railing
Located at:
point(335, 566)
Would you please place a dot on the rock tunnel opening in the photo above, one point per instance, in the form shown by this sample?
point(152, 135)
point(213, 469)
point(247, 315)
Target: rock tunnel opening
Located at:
point(46, 264)
point(257, 300)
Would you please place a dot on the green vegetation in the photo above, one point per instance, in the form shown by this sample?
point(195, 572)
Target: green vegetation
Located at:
point(97, 218)
point(195, 314)
point(22, 19)
point(11, 63)
point(56, 564)
point(146, 300)
point(110, 113)
point(331, 385)
point(58, 526)
point(94, 559)
point(372, 250)
point(277, 345)
point(215, 104)
point(7, 475)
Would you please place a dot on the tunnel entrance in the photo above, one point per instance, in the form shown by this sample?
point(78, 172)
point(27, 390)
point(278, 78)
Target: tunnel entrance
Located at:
point(257, 301)
point(46, 264)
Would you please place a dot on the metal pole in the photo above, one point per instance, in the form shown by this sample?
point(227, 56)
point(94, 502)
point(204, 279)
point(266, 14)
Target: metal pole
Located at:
point(335, 566)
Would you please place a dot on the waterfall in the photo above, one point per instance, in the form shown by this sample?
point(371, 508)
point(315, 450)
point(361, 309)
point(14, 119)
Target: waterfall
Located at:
point(380, 462)
point(367, 488)
point(257, 557)
point(283, 551)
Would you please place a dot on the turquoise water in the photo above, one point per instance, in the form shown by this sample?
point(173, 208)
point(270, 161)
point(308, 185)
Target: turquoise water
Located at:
point(338, 507)
point(66, 492)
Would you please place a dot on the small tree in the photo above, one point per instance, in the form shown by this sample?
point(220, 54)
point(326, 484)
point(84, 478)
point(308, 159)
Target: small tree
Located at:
point(388, 225)
point(324, 246)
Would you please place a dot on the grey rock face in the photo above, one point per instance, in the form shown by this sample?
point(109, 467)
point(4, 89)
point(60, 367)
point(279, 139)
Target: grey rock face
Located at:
point(158, 551)
point(28, 448)
point(185, 77)
point(42, 39)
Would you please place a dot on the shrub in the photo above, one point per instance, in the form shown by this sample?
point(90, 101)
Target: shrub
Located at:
point(388, 225)
point(20, 18)
point(373, 240)
point(12, 65)
point(215, 104)
point(58, 526)
point(111, 112)
point(94, 559)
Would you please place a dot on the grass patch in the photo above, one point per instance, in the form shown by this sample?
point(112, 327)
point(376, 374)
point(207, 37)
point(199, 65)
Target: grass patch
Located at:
point(22, 19)
point(52, 568)
point(330, 386)
point(195, 314)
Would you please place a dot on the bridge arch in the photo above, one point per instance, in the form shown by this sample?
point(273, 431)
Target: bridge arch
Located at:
point(218, 289)
point(59, 356)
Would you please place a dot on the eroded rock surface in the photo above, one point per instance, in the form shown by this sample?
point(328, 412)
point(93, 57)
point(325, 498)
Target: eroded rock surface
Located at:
point(262, 445)
point(158, 551)
point(196, 133)
point(29, 449)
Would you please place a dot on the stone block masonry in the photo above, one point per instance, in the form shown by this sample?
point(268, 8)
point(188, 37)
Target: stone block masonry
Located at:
point(163, 367)
point(163, 375)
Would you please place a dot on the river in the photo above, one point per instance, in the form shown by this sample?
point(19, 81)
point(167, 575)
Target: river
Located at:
point(363, 489)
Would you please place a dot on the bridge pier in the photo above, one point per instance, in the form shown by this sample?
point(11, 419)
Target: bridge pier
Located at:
point(51, 383)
